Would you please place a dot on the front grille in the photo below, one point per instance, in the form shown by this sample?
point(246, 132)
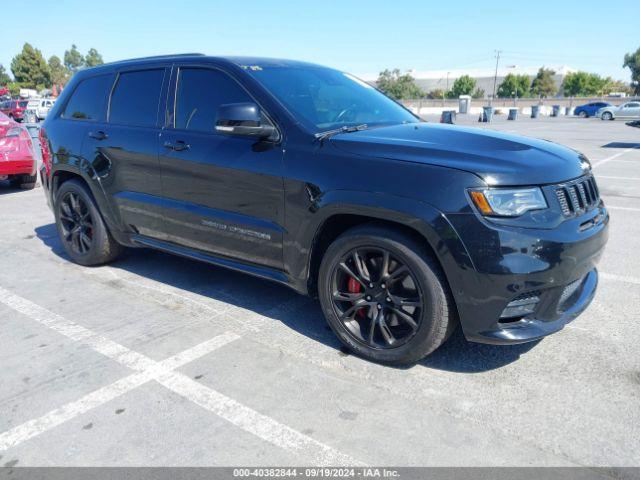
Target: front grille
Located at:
point(578, 196)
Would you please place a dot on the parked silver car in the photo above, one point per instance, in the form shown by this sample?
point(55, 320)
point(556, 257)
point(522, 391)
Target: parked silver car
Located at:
point(626, 110)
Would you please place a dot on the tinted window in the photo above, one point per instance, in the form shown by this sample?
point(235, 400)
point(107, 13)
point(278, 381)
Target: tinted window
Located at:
point(88, 99)
point(200, 93)
point(136, 97)
point(329, 98)
point(633, 105)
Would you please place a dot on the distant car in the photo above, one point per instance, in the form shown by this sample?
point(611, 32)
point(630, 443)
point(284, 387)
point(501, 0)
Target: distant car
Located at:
point(626, 110)
point(43, 107)
point(14, 109)
point(34, 133)
point(30, 115)
point(590, 109)
point(17, 155)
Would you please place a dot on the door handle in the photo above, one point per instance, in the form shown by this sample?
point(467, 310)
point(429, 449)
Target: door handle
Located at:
point(178, 146)
point(99, 135)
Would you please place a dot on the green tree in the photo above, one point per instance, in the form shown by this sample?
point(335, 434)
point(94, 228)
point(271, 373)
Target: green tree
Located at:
point(619, 86)
point(93, 58)
point(583, 84)
point(514, 86)
point(437, 94)
point(399, 86)
point(30, 68)
point(14, 88)
point(59, 73)
point(73, 59)
point(463, 85)
point(632, 62)
point(4, 76)
point(544, 85)
point(478, 93)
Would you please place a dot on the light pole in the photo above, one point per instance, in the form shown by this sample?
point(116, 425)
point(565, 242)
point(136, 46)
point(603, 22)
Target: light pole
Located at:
point(515, 94)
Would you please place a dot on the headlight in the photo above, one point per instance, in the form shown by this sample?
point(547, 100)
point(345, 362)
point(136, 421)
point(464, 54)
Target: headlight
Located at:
point(508, 202)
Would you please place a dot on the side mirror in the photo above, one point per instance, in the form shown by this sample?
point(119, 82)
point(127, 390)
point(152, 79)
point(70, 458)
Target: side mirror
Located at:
point(243, 119)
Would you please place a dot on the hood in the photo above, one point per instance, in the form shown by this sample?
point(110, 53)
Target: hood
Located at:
point(498, 158)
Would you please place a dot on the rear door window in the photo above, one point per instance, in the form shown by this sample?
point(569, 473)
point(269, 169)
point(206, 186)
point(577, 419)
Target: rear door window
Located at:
point(200, 91)
point(88, 100)
point(136, 98)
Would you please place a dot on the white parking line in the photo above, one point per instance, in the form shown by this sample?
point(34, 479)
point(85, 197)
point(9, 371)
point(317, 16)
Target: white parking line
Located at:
point(618, 178)
point(612, 157)
point(626, 161)
point(620, 278)
point(628, 209)
point(231, 410)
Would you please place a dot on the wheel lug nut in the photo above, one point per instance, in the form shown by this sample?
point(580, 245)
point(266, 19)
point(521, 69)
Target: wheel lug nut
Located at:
point(383, 286)
point(368, 297)
point(371, 285)
point(379, 307)
point(388, 299)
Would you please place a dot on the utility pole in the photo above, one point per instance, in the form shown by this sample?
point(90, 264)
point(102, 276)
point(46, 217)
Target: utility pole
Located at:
point(495, 77)
point(447, 90)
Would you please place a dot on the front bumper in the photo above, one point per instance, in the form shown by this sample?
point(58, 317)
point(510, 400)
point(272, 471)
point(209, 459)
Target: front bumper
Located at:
point(531, 328)
point(557, 266)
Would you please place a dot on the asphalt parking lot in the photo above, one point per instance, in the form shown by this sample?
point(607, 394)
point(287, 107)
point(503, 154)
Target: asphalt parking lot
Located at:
point(161, 361)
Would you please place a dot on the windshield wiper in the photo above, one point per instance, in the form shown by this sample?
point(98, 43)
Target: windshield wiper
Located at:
point(322, 136)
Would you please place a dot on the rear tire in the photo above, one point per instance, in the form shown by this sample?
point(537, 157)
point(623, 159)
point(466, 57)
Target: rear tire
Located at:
point(380, 330)
point(583, 114)
point(607, 116)
point(81, 228)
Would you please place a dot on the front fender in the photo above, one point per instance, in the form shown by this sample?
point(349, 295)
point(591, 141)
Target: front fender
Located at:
point(425, 219)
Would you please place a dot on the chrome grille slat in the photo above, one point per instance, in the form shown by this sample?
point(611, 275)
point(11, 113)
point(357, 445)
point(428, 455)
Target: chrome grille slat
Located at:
point(577, 196)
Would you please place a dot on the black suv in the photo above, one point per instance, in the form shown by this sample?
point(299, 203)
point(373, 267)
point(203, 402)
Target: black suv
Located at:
point(312, 178)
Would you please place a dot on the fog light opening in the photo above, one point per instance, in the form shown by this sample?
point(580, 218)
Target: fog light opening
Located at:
point(519, 308)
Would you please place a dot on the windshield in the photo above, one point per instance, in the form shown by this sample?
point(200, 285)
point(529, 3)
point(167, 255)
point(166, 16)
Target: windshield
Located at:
point(23, 104)
point(329, 98)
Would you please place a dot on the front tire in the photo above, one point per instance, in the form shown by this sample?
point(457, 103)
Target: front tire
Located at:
point(385, 296)
point(82, 231)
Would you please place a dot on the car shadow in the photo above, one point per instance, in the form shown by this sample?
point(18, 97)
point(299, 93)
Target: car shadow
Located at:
point(623, 145)
point(282, 304)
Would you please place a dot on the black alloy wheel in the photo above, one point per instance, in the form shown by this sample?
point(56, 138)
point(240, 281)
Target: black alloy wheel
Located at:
point(376, 297)
point(81, 229)
point(76, 223)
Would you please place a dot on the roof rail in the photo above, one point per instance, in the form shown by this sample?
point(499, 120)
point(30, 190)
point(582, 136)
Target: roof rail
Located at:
point(156, 57)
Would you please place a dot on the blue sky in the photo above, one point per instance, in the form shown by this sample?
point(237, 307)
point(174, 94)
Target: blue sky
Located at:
point(357, 36)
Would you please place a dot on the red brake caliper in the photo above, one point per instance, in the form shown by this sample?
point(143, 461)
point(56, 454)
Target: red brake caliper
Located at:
point(354, 287)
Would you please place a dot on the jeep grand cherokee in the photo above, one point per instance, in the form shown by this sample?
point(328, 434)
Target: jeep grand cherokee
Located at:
point(310, 177)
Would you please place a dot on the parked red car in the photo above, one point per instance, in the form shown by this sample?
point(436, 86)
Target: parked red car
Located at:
point(17, 157)
point(14, 108)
